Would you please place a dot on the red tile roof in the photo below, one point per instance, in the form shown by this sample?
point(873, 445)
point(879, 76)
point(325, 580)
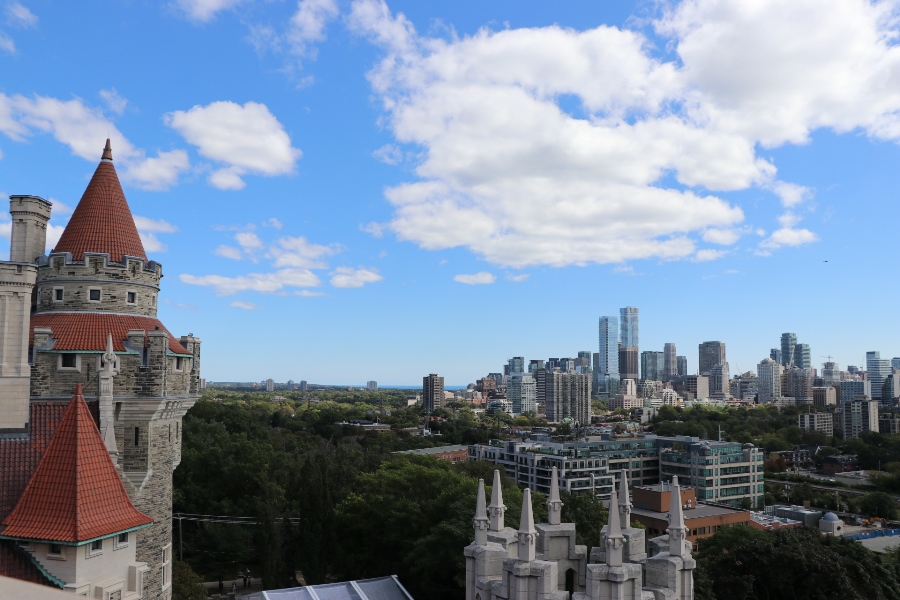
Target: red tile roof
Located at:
point(75, 494)
point(88, 330)
point(19, 564)
point(102, 221)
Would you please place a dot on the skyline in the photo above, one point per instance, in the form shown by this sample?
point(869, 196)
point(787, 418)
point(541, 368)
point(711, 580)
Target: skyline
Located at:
point(353, 190)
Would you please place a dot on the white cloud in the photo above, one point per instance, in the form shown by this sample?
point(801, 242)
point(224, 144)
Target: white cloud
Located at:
point(374, 229)
point(18, 15)
point(204, 10)
point(54, 232)
point(114, 101)
point(298, 252)
point(264, 283)
point(389, 154)
point(274, 223)
point(506, 167)
point(308, 23)
point(229, 252)
point(518, 278)
point(157, 173)
point(348, 277)
point(247, 138)
point(7, 44)
point(245, 305)
point(309, 294)
point(249, 241)
point(481, 278)
point(787, 236)
point(148, 228)
point(708, 254)
point(624, 270)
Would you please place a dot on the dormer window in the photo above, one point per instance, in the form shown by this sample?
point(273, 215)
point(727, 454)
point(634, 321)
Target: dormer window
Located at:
point(94, 294)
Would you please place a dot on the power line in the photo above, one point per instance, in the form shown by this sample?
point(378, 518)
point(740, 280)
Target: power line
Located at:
point(228, 519)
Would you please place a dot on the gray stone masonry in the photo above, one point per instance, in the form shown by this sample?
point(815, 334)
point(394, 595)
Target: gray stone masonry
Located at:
point(29, 215)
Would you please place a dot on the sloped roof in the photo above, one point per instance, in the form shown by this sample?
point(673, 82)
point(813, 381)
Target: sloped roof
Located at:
point(87, 331)
point(75, 494)
point(381, 588)
point(102, 221)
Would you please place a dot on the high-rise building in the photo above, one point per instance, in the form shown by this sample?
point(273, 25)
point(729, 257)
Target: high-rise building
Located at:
point(895, 363)
point(653, 365)
point(802, 358)
point(682, 366)
point(270, 385)
point(831, 373)
point(797, 383)
point(628, 363)
point(608, 365)
point(304, 386)
point(516, 365)
point(568, 395)
point(769, 373)
point(775, 354)
point(824, 396)
point(697, 385)
point(535, 364)
point(372, 385)
point(891, 388)
point(521, 391)
point(822, 422)
point(850, 390)
point(432, 392)
point(670, 361)
point(719, 377)
point(629, 329)
point(877, 369)
point(860, 415)
point(711, 354)
point(788, 346)
point(583, 362)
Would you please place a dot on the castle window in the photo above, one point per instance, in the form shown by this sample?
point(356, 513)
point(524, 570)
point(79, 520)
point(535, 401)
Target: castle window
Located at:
point(58, 294)
point(167, 566)
point(95, 548)
point(69, 361)
point(121, 541)
point(131, 297)
point(179, 363)
point(137, 435)
point(94, 294)
point(55, 551)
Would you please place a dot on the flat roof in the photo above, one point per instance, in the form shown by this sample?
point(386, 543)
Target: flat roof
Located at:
point(435, 450)
point(702, 511)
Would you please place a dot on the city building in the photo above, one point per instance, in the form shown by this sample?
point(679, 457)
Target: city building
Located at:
point(802, 357)
point(769, 376)
point(372, 386)
point(719, 377)
point(711, 354)
point(521, 391)
point(653, 365)
point(788, 346)
point(92, 394)
point(628, 363)
point(819, 421)
point(797, 383)
point(670, 361)
point(629, 327)
point(608, 364)
point(682, 366)
point(859, 415)
point(824, 396)
point(542, 561)
point(270, 385)
point(516, 364)
point(432, 392)
point(696, 385)
point(775, 354)
point(568, 396)
point(850, 390)
point(877, 370)
point(304, 386)
point(652, 503)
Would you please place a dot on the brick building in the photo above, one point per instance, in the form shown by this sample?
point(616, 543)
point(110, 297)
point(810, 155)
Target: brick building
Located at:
point(85, 317)
point(651, 507)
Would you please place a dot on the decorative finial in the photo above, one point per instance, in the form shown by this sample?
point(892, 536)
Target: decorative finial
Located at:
point(497, 509)
point(614, 538)
point(107, 152)
point(480, 521)
point(677, 531)
point(624, 501)
point(527, 532)
point(110, 362)
point(554, 504)
point(78, 391)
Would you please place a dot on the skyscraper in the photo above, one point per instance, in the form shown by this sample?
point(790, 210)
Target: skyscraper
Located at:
point(432, 392)
point(629, 367)
point(652, 365)
point(568, 395)
point(682, 366)
point(775, 354)
point(628, 331)
point(711, 354)
point(670, 361)
point(769, 373)
point(608, 365)
point(516, 365)
point(877, 369)
point(802, 358)
point(788, 345)
point(521, 391)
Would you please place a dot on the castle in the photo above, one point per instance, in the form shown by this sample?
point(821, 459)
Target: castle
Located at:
point(543, 562)
point(93, 389)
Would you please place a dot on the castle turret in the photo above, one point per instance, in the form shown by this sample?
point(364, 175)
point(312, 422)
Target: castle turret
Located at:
point(480, 522)
point(497, 508)
point(624, 501)
point(677, 530)
point(28, 238)
point(527, 532)
point(554, 504)
point(614, 538)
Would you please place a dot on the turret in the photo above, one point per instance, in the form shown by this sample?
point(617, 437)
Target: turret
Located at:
point(497, 509)
point(554, 504)
point(28, 238)
point(615, 541)
point(677, 531)
point(624, 501)
point(527, 532)
point(480, 522)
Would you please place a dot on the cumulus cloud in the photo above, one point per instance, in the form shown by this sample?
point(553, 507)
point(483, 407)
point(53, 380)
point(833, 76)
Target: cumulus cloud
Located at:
point(265, 283)
point(84, 129)
point(148, 228)
point(114, 101)
point(788, 236)
point(506, 167)
point(7, 44)
point(204, 10)
point(518, 278)
point(708, 254)
point(481, 278)
point(245, 305)
point(374, 229)
point(298, 252)
point(229, 252)
point(308, 23)
point(348, 277)
point(244, 139)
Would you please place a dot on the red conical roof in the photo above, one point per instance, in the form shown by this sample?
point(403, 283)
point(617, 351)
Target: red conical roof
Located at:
point(75, 494)
point(102, 221)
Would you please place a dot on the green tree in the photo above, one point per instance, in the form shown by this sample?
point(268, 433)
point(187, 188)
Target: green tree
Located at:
point(877, 504)
point(587, 512)
point(186, 585)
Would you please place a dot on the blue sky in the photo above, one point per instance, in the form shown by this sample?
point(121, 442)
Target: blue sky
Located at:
point(349, 190)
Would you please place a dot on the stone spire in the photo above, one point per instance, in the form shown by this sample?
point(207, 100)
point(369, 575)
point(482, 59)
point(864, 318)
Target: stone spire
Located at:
point(677, 531)
point(107, 152)
point(554, 504)
point(497, 509)
point(624, 501)
point(615, 541)
point(109, 368)
point(481, 522)
point(527, 532)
